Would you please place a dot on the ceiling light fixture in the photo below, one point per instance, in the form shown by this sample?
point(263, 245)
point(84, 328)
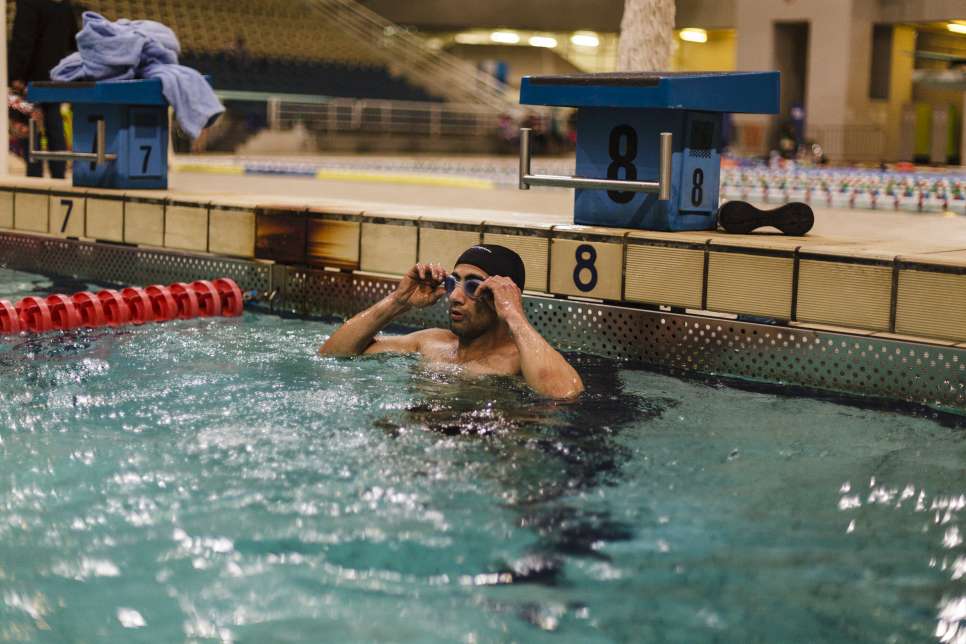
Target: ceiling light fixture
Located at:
point(543, 41)
point(472, 38)
point(505, 37)
point(693, 34)
point(585, 39)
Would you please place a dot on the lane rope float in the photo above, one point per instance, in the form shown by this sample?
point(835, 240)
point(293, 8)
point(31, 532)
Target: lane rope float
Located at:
point(209, 301)
point(116, 312)
point(186, 299)
point(89, 309)
point(63, 313)
point(34, 315)
point(162, 303)
point(130, 305)
point(9, 318)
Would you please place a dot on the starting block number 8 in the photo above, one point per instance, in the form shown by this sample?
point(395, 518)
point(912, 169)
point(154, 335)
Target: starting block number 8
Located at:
point(619, 160)
point(697, 184)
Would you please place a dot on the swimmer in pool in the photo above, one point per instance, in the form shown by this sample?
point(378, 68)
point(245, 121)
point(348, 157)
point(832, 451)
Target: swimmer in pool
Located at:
point(488, 330)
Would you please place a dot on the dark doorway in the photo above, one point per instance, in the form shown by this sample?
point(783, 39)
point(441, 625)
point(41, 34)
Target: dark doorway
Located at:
point(791, 59)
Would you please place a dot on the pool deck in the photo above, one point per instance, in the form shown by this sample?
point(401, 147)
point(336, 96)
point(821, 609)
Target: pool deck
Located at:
point(552, 206)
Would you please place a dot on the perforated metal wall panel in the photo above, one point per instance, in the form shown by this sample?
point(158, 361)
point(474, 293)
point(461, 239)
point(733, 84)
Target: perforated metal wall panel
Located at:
point(125, 264)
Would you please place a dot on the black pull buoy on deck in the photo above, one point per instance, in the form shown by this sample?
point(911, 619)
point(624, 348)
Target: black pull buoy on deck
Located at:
point(740, 218)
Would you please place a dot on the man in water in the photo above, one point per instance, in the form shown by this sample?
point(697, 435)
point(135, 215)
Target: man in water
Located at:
point(489, 332)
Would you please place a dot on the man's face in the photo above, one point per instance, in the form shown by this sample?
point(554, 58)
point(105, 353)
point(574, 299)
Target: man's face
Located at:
point(469, 317)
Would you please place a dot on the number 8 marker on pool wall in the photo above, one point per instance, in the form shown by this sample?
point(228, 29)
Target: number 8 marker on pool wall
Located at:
point(586, 262)
point(648, 144)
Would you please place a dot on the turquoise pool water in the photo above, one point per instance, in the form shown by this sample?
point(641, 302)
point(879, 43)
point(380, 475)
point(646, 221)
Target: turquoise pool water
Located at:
point(217, 480)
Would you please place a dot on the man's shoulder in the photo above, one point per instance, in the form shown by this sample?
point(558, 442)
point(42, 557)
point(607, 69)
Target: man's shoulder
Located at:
point(432, 335)
point(433, 341)
point(436, 334)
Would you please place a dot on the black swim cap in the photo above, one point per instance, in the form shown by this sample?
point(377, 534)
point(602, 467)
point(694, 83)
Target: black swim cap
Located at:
point(496, 260)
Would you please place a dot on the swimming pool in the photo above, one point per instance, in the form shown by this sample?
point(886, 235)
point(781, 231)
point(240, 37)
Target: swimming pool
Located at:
point(216, 479)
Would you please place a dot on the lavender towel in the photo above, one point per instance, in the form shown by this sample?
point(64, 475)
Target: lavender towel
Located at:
point(129, 49)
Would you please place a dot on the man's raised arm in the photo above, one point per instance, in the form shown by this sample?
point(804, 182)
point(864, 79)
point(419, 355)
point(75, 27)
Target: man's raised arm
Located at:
point(545, 370)
point(421, 286)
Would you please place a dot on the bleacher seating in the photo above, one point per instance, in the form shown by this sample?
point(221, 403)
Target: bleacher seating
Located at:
point(291, 76)
point(265, 45)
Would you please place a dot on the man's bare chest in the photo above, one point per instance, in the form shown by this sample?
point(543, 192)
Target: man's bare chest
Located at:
point(446, 355)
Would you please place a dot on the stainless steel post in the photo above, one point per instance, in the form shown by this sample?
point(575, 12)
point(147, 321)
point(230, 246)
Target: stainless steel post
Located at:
point(32, 136)
point(524, 157)
point(101, 141)
point(99, 156)
point(664, 176)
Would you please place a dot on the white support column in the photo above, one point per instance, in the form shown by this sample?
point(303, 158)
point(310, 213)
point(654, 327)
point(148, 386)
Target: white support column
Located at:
point(274, 113)
point(939, 136)
point(4, 81)
point(647, 35)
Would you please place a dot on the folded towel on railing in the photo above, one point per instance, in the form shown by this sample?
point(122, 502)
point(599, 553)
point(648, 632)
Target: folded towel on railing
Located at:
point(129, 49)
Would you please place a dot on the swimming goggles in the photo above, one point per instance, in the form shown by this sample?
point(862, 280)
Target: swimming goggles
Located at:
point(471, 286)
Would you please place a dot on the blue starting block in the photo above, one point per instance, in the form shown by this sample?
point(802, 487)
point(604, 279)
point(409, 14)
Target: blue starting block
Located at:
point(120, 132)
point(648, 144)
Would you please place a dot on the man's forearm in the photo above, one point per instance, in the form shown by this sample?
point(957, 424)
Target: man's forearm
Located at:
point(354, 336)
point(544, 369)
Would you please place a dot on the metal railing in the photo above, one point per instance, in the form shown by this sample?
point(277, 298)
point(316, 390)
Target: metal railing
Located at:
point(442, 73)
point(386, 117)
point(850, 142)
point(99, 156)
point(662, 187)
point(380, 117)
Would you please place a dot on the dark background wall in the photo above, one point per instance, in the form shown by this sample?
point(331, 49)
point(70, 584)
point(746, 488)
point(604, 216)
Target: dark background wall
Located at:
point(548, 15)
point(541, 15)
point(605, 15)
